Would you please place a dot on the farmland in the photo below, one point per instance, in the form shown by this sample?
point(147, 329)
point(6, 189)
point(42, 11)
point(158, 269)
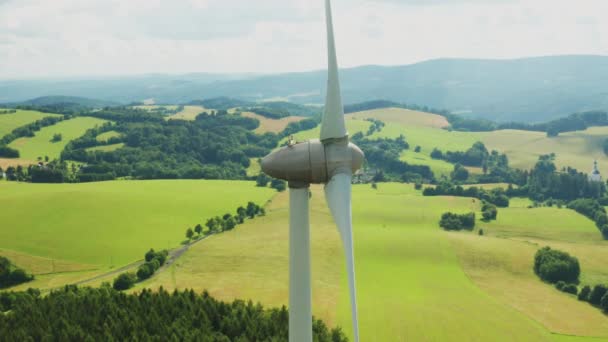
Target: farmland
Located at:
point(271, 125)
point(406, 267)
point(9, 122)
point(41, 145)
point(80, 223)
point(189, 113)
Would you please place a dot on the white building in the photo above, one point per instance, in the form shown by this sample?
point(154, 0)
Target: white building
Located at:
point(595, 175)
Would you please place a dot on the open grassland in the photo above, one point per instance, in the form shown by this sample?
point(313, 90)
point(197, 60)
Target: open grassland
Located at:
point(190, 113)
point(112, 223)
point(254, 168)
point(501, 263)
point(402, 116)
point(353, 126)
point(6, 162)
point(575, 149)
point(410, 283)
point(271, 125)
point(103, 137)
point(41, 145)
point(106, 148)
point(8, 122)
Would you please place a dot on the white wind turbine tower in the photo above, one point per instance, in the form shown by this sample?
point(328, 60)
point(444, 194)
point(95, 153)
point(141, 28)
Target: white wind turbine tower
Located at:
point(332, 160)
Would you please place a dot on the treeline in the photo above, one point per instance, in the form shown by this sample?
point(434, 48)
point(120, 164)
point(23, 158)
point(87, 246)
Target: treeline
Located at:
point(216, 225)
point(8, 111)
point(384, 155)
point(495, 165)
point(11, 275)
point(104, 314)
point(497, 196)
point(153, 261)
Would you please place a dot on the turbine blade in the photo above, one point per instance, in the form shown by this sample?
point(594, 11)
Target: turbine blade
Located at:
point(333, 125)
point(300, 293)
point(338, 194)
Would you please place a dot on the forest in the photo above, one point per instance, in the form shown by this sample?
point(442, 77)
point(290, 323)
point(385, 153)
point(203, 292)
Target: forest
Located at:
point(104, 314)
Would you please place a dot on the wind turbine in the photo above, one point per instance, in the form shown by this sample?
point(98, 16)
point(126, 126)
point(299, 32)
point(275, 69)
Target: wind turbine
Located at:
point(331, 160)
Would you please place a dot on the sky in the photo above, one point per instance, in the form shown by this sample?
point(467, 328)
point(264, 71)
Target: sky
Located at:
point(72, 38)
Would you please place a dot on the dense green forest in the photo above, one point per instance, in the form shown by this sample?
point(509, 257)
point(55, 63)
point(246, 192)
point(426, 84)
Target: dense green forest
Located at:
point(104, 314)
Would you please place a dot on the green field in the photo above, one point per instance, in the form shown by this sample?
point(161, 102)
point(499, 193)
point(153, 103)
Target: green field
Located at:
point(106, 148)
point(103, 137)
point(8, 122)
point(353, 126)
point(411, 285)
point(112, 223)
point(189, 113)
point(40, 145)
point(271, 125)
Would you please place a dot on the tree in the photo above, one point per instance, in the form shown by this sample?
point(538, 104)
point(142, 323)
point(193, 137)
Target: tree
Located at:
point(262, 180)
point(451, 221)
point(554, 266)
point(57, 137)
point(460, 173)
point(125, 281)
point(278, 184)
point(229, 223)
point(417, 149)
point(241, 214)
point(604, 303)
point(596, 295)
point(211, 224)
point(145, 271)
point(198, 229)
point(252, 209)
point(189, 233)
point(584, 294)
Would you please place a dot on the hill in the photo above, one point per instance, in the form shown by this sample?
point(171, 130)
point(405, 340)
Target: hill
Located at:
point(64, 100)
point(529, 90)
point(50, 228)
point(406, 267)
point(8, 122)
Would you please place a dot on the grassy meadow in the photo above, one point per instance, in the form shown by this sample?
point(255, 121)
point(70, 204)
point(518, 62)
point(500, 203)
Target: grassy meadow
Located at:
point(8, 122)
point(189, 113)
point(410, 278)
point(112, 223)
point(41, 145)
point(103, 137)
point(271, 125)
point(106, 148)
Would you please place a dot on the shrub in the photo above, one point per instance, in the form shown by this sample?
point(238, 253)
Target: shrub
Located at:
point(604, 303)
point(560, 285)
point(596, 295)
point(144, 271)
point(553, 266)
point(451, 221)
point(570, 288)
point(584, 294)
point(125, 281)
point(481, 232)
point(418, 186)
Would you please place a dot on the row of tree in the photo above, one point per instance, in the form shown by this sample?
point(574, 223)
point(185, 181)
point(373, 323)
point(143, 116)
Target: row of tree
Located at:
point(153, 261)
point(104, 314)
point(495, 196)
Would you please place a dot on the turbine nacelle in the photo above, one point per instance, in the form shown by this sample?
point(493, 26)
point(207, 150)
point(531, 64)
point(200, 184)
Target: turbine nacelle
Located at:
point(313, 162)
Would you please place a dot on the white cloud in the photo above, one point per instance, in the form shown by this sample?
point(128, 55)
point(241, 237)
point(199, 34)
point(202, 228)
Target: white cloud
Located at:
point(40, 38)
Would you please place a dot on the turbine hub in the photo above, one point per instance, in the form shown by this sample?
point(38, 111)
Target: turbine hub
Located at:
point(313, 161)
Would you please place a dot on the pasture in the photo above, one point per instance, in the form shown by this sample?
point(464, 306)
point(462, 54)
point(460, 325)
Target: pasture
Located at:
point(501, 262)
point(189, 113)
point(103, 137)
point(112, 223)
point(41, 145)
point(271, 125)
point(8, 122)
point(411, 285)
point(402, 116)
point(105, 148)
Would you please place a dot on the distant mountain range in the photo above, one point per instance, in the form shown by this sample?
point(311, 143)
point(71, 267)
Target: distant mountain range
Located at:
point(527, 90)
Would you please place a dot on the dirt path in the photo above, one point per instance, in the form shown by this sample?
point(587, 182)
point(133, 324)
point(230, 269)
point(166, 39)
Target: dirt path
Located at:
point(174, 254)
